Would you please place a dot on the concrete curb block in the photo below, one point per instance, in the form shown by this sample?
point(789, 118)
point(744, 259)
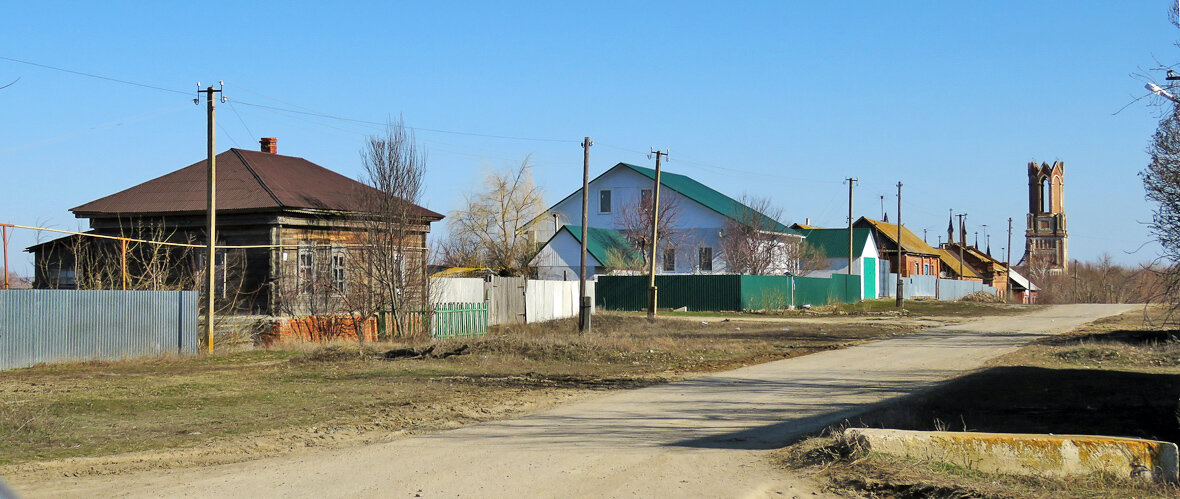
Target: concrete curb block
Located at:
point(1029, 454)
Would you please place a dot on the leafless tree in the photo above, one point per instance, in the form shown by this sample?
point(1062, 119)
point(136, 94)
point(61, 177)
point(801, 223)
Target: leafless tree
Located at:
point(1100, 281)
point(1162, 182)
point(634, 221)
point(757, 243)
point(389, 259)
point(494, 219)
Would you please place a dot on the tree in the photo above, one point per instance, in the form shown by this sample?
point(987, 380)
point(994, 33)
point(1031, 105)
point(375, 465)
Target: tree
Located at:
point(634, 222)
point(388, 266)
point(490, 228)
point(757, 244)
point(1161, 180)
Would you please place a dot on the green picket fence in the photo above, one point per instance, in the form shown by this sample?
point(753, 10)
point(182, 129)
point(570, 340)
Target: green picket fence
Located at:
point(455, 320)
point(447, 320)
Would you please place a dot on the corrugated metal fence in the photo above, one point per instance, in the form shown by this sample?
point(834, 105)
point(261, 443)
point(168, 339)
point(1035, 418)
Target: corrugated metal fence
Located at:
point(726, 291)
point(512, 300)
point(924, 286)
point(42, 325)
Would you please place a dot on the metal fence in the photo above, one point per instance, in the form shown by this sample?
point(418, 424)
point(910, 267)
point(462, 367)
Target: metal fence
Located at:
point(727, 291)
point(453, 320)
point(922, 286)
point(42, 325)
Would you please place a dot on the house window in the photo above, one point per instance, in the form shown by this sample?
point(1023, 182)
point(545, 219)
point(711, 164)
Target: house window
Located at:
point(705, 255)
point(645, 197)
point(917, 268)
point(669, 259)
point(338, 269)
point(604, 201)
point(305, 265)
point(926, 269)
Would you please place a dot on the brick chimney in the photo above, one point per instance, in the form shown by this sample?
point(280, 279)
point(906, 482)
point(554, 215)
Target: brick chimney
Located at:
point(270, 145)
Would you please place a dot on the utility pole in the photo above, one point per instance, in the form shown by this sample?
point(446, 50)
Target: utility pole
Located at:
point(962, 242)
point(900, 263)
point(211, 221)
point(851, 181)
point(882, 207)
point(655, 233)
point(4, 240)
point(584, 310)
point(1008, 259)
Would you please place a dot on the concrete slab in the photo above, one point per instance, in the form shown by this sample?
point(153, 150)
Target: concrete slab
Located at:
point(1029, 454)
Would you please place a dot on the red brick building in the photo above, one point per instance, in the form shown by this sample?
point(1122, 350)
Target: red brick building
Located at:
point(916, 257)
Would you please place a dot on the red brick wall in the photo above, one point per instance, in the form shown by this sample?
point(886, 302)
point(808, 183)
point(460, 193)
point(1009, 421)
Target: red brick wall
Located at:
point(919, 265)
point(317, 328)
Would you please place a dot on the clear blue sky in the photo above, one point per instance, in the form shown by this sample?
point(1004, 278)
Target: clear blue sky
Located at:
point(778, 99)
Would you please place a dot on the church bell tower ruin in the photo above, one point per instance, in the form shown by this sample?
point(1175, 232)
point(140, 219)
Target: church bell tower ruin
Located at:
point(1046, 240)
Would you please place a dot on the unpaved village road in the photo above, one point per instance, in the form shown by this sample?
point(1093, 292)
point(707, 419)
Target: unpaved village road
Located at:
point(703, 437)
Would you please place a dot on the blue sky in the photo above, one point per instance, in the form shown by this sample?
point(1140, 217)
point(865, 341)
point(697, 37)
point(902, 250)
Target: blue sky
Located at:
point(772, 99)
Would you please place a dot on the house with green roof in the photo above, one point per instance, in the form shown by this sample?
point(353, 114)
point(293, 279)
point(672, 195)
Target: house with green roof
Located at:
point(833, 245)
point(559, 259)
point(690, 245)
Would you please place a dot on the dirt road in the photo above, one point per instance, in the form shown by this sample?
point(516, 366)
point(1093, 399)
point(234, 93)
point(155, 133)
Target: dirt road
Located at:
point(706, 436)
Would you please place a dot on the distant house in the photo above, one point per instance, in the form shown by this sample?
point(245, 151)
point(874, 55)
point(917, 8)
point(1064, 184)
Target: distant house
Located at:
point(954, 268)
point(833, 244)
point(1024, 291)
point(559, 259)
point(992, 271)
point(907, 256)
point(692, 245)
point(302, 216)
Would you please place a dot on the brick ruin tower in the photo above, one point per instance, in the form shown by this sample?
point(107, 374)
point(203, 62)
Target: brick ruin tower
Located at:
point(1046, 241)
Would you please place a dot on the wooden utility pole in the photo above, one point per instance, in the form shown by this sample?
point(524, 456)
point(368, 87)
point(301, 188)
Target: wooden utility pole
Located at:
point(655, 232)
point(211, 220)
point(962, 242)
point(584, 301)
point(850, 181)
point(900, 253)
point(1008, 259)
point(4, 240)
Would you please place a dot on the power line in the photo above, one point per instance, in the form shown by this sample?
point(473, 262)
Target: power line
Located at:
point(92, 75)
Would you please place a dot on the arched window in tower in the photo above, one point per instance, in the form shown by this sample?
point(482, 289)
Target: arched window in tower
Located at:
point(1044, 195)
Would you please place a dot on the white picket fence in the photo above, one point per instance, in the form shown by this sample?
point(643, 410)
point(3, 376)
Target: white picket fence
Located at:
point(513, 299)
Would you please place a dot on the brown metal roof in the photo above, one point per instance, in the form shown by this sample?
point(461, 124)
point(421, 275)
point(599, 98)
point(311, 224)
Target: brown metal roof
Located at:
point(246, 181)
point(910, 242)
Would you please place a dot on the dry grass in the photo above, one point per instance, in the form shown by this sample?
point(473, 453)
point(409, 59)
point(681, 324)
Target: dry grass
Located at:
point(303, 394)
point(1114, 376)
point(852, 470)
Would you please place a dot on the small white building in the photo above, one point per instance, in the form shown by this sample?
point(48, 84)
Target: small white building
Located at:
point(701, 217)
point(833, 244)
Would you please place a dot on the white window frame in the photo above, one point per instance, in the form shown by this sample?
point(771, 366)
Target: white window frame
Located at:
point(669, 252)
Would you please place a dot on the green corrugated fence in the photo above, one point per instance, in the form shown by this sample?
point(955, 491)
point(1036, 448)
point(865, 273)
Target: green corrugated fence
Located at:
point(726, 291)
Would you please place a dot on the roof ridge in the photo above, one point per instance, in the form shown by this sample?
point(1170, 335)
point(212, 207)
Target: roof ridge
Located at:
point(262, 183)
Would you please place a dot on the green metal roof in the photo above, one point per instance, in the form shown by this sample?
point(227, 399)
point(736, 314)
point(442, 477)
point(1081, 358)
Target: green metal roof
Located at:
point(712, 199)
point(602, 243)
point(834, 242)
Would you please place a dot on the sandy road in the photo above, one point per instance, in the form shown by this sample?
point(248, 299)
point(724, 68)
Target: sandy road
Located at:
point(702, 437)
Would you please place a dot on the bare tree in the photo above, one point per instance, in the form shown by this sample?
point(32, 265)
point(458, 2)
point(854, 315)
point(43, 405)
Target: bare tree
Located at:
point(634, 221)
point(1161, 179)
point(388, 264)
point(494, 218)
point(757, 243)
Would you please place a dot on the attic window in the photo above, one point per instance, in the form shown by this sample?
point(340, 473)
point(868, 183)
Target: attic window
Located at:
point(604, 201)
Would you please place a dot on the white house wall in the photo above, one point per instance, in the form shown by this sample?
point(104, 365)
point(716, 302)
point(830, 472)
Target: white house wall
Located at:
point(560, 261)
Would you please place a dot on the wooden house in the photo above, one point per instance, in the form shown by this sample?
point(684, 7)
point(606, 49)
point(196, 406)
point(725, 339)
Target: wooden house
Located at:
point(283, 218)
